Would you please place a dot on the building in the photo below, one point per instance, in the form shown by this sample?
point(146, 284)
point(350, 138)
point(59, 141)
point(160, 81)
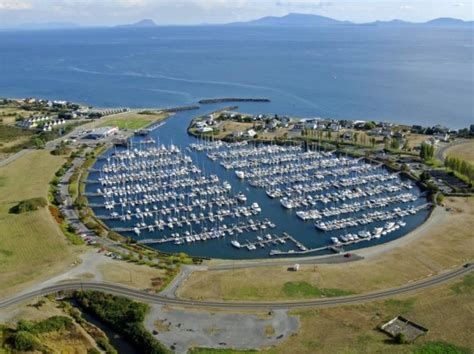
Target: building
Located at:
point(250, 133)
point(204, 129)
point(444, 137)
point(101, 133)
point(33, 122)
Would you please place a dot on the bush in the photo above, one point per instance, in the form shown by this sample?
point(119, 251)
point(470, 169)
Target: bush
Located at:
point(123, 315)
point(400, 338)
point(104, 344)
point(24, 341)
point(439, 198)
point(52, 324)
point(29, 205)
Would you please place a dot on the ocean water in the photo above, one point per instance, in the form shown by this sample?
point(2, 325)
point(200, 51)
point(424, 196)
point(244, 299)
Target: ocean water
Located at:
point(408, 75)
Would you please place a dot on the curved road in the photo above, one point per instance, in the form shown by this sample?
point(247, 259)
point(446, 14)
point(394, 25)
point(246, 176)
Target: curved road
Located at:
point(160, 299)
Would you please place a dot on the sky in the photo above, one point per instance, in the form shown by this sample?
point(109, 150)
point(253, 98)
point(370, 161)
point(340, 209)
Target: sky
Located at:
point(188, 12)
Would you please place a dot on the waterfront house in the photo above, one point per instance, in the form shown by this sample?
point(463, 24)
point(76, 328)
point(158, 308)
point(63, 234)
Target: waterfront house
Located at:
point(204, 129)
point(250, 133)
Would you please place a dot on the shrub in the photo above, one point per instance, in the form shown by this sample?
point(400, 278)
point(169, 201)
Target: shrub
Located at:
point(24, 341)
point(124, 315)
point(29, 205)
point(439, 198)
point(400, 338)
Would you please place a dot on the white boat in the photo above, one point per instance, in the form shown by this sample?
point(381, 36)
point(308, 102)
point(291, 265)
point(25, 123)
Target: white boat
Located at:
point(241, 197)
point(256, 207)
point(235, 243)
point(286, 203)
point(240, 174)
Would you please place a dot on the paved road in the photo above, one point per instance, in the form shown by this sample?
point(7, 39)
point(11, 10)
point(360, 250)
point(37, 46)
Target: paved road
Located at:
point(163, 300)
point(439, 153)
point(287, 262)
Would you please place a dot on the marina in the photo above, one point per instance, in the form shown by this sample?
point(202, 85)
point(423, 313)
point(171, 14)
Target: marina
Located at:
point(243, 200)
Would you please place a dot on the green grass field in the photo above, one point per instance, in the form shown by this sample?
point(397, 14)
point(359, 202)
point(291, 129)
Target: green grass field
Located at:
point(31, 244)
point(299, 290)
point(131, 120)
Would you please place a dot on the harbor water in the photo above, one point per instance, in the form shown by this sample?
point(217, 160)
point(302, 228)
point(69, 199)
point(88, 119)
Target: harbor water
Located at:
point(174, 131)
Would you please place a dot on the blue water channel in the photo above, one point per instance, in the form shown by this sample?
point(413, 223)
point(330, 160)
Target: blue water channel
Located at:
point(174, 132)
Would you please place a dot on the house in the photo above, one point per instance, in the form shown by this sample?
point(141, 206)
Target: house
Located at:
point(250, 133)
point(387, 132)
point(348, 136)
point(334, 126)
point(359, 124)
point(299, 125)
point(375, 131)
point(444, 137)
point(285, 122)
point(272, 124)
point(200, 125)
point(237, 134)
point(417, 129)
point(311, 125)
point(204, 129)
point(33, 122)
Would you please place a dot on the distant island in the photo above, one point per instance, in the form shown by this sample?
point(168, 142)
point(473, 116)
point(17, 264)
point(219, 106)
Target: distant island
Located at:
point(290, 20)
point(232, 99)
point(310, 20)
point(146, 23)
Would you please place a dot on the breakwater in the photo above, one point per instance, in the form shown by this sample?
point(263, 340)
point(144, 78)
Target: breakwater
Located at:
point(232, 99)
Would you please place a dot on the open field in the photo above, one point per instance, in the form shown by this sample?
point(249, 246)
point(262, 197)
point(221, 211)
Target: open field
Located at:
point(228, 127)
point(129, 274)
point(31, 244)
point(464, 151)
point(414, 140)
point(445, 241)
point(447, 314)
point(130, 120)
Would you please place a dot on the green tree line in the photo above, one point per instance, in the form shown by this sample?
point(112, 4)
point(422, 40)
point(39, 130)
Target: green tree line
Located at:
point(459, 165)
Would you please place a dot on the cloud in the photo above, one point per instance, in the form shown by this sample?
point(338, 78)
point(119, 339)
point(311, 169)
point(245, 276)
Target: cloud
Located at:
point(458, 4)
point(15, 5)
point(406, 7)
point(303, 4)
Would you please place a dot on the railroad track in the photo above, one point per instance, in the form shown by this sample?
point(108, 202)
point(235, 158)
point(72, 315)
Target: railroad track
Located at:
point(144, 296)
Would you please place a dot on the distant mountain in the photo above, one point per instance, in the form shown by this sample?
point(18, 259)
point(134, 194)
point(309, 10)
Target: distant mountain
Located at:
point(294, 19)
point(146, 23)
point(448, 21)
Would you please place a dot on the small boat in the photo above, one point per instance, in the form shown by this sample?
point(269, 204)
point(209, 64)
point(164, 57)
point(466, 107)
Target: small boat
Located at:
point(235, 243)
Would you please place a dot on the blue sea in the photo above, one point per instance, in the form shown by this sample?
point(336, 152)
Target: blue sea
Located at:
point(409, 75)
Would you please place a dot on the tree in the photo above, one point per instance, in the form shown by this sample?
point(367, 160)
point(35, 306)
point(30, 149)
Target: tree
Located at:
point(425, 176)
point(372, 141)
point(395, 144)
point(439, 198)
point(39, 143)
point(400, 338)
point(369, 125)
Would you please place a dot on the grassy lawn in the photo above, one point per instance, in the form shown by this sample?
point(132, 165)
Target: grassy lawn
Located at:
point(139, 276)
point(446, 243)
point(31, 244)
point(446, 313)
point(464, 151)
point(302, 289)
point(131, 120)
